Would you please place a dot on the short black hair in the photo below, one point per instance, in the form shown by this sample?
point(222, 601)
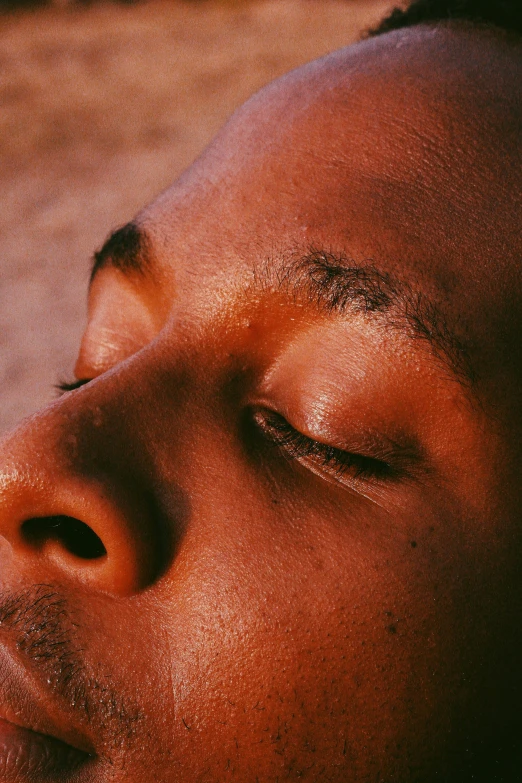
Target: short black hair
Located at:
point(503, 14)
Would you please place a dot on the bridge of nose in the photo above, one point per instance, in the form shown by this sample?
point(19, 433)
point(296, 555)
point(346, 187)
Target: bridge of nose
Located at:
point(75, 503)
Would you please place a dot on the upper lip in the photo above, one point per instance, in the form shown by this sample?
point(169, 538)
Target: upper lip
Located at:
point(25, 702)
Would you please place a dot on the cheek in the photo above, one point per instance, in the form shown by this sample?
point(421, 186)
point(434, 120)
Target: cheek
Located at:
point(324, 646)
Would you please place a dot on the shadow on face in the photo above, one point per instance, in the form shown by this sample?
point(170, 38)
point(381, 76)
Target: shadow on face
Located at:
point(275, 533)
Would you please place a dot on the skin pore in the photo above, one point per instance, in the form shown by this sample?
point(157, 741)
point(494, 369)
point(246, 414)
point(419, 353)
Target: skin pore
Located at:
point(275, 536)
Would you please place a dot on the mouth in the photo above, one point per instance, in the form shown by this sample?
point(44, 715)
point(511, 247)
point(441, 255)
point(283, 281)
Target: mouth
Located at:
point(35, 746)
point(27, 755)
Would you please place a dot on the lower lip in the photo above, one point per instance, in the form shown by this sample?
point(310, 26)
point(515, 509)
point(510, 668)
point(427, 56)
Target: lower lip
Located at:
point(26, 756)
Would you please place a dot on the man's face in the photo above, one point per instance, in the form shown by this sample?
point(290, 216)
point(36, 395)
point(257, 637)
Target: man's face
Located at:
point(276, 535)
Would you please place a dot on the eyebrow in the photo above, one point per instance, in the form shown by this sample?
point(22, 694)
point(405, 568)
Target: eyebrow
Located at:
point(126, 249)
point(332, 282)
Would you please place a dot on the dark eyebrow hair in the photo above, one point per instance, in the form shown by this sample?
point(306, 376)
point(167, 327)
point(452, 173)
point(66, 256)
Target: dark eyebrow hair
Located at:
point(335, 284)
point(126, 249)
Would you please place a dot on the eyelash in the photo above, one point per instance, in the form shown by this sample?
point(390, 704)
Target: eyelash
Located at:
point(300, 447)
point(67, 386)
point(296, 445)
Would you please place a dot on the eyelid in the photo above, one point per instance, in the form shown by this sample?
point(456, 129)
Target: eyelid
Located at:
point(122, 319)
point(63, 387)
point(333, 460)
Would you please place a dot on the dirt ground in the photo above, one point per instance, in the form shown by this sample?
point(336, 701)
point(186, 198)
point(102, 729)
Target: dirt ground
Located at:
point(101, 108)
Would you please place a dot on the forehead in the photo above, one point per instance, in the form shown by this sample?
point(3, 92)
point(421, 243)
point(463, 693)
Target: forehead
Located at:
point(392, 132)
point(401, 153)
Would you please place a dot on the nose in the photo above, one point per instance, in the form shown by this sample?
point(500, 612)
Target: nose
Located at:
point(74, 503)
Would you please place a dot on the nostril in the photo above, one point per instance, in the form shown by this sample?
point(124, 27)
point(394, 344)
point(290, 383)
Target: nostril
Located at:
point(75, 536)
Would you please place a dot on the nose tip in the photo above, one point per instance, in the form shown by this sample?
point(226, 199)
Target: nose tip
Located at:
point(60, 524)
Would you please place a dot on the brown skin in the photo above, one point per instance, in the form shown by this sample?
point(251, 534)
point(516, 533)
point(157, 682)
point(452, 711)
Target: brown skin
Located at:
point(259, 618)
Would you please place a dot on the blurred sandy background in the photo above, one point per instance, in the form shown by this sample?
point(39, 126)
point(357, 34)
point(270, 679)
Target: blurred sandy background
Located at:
point(101, 107)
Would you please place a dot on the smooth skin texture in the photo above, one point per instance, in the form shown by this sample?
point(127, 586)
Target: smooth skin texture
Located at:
point(299, 448)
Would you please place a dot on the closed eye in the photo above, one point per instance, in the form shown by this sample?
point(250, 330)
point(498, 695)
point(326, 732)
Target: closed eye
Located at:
point(64, 386)
point(332, 460)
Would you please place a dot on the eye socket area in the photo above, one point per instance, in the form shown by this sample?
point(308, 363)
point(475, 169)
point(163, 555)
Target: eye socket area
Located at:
point(373, 463)
point(121, 321)
point(63, 387)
